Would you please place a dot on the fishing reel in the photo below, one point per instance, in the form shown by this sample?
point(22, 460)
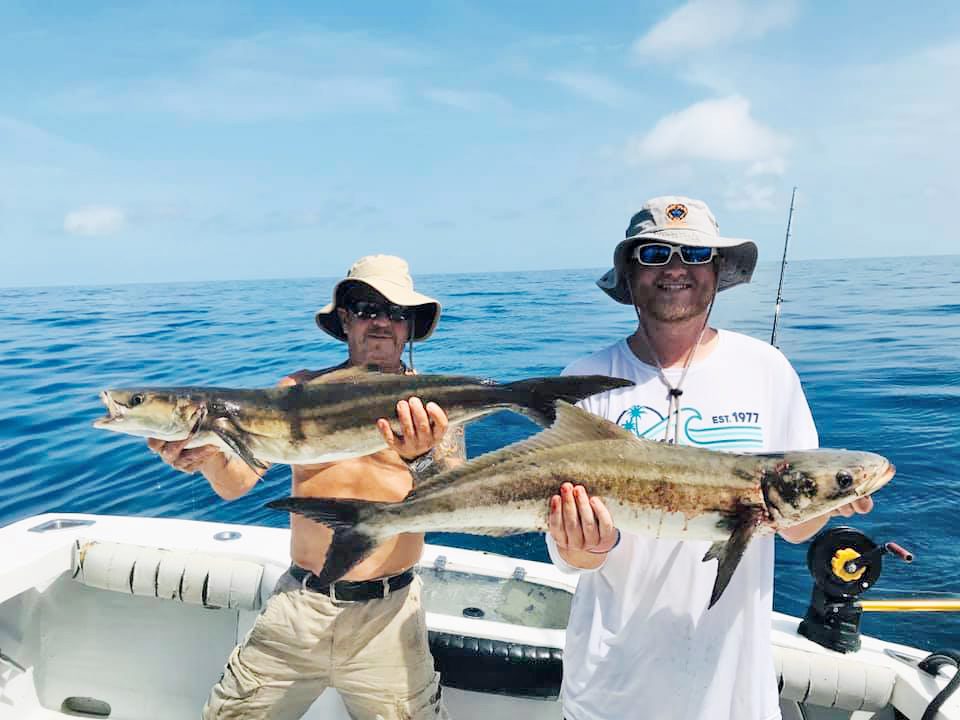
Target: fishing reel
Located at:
point(844, 564)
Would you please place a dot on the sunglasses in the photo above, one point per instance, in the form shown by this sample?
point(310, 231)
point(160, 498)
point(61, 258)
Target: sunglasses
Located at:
point(661, 253)
point(367, 310)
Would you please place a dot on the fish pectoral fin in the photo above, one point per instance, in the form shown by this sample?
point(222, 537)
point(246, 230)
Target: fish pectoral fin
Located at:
point(226, 430)
point(728, 553)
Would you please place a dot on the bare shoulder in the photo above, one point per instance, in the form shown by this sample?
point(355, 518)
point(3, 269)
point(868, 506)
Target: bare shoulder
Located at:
point(303, 376)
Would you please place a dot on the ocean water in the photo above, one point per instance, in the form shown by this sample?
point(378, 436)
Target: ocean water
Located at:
point(876, 344)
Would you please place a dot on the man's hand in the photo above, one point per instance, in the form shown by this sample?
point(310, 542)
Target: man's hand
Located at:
point(176, 456)
point(860, 506)
point(805, 531)
point(421, 428)
point(579, 523)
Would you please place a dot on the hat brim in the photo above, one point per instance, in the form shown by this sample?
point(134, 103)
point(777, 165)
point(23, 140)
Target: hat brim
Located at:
point(426, 313)
point(739, 259)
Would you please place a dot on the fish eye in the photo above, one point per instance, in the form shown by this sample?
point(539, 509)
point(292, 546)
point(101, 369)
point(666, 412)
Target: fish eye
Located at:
point(136, 399)
point(844, 479)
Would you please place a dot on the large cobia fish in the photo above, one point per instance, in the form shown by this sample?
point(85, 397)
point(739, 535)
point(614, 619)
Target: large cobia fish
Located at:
point(330, 418)
point(650, 488)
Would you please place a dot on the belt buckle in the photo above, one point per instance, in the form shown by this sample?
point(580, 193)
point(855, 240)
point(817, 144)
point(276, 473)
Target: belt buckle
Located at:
point(386, 587)
point(337, 601)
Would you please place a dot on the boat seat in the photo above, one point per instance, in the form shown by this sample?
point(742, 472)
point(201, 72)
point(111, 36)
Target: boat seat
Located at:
point(832, 681)
point(494, 666)
point(196, 578)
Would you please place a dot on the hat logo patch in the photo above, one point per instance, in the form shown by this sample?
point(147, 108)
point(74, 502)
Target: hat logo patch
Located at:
point(676, 213)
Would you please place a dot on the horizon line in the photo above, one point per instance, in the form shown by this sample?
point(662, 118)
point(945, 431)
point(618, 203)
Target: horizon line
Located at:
point(422, 275)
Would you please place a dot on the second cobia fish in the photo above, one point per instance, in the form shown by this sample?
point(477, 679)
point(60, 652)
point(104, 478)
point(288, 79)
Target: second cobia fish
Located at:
point(329, 418)
point(650, 488)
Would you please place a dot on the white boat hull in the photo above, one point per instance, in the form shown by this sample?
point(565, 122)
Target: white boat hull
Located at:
point(90, 639)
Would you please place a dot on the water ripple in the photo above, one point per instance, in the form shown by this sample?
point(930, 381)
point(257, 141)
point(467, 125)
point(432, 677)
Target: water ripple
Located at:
point(875, 346)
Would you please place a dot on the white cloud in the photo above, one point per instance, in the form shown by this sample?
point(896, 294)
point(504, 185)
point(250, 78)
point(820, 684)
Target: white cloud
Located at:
point(241, 94)
point(703, 24)
point(749, 196)
point(720, 129)
point(771, 166)
point(315, 49)
point(265, 76)
point(592, 86)
point(470, 100)
point(94, 220)
point(21, 141)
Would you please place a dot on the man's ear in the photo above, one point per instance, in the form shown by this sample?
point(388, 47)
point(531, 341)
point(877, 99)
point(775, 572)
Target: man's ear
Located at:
point(344, 316)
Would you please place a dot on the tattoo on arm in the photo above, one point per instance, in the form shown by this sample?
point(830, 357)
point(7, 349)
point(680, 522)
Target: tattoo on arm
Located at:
point(450, 452)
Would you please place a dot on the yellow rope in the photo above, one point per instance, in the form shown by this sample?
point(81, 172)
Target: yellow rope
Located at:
point(910, 605)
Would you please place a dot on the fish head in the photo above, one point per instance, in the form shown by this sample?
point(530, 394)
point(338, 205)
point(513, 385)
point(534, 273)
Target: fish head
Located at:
point(167, 414)
point(803, 485)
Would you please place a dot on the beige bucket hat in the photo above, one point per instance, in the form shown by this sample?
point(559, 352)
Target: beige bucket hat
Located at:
point(680, 221)
point(389, 276)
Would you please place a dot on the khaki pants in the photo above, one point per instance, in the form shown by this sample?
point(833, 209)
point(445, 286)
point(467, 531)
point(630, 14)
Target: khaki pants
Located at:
point(375, 653)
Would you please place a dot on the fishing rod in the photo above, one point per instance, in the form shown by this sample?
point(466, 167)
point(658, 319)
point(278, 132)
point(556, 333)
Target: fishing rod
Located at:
point(783, 265)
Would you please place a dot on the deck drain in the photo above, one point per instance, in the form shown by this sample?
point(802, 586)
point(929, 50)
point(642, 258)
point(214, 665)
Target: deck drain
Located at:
point(86, 707)
point(473, 612)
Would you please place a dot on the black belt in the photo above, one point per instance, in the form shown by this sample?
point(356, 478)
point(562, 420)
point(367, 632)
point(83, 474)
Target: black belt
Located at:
point(347, 591)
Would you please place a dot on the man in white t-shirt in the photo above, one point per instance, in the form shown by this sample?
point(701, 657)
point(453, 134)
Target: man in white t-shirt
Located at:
point(641, 641)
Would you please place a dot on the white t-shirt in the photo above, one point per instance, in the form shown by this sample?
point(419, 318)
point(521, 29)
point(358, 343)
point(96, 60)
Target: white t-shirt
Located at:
point(641, 642)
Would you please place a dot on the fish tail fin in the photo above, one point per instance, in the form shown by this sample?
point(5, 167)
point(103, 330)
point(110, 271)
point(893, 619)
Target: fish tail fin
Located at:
point(353, 539)
point(537, 397)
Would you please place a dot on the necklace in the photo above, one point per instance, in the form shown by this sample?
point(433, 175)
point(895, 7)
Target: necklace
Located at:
point(673, 391)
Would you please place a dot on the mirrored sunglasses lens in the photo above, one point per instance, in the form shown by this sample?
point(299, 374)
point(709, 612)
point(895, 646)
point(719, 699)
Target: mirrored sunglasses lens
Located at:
point(397, 313)
point(653, 254)
point(364, 309)
point(370, 310)
point(696, 255)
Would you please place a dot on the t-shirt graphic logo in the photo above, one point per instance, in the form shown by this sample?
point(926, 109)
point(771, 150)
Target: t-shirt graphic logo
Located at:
point(648, 423)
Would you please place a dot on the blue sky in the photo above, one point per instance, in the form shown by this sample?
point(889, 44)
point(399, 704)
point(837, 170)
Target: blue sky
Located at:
point(204, 140)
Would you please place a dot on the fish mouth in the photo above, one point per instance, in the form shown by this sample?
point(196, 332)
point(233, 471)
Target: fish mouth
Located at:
point(878, 481)
point(114, 411)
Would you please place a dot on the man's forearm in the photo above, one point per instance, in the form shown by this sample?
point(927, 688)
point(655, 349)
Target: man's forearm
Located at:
point(581, 558)
point(451, 452)
point(804, 531)
point(229, 476)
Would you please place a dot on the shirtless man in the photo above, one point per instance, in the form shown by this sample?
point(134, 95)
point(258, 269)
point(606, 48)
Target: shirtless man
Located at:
point(367, 638)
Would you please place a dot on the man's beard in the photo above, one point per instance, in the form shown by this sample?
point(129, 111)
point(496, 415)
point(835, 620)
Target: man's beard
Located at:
point(660, 306)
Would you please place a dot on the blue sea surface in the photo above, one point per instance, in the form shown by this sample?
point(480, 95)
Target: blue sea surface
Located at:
point(876, 344)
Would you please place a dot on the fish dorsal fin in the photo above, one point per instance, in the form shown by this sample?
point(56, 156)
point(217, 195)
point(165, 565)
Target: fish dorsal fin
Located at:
point(579, 424)
point(572, 425)
point(352, 374)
